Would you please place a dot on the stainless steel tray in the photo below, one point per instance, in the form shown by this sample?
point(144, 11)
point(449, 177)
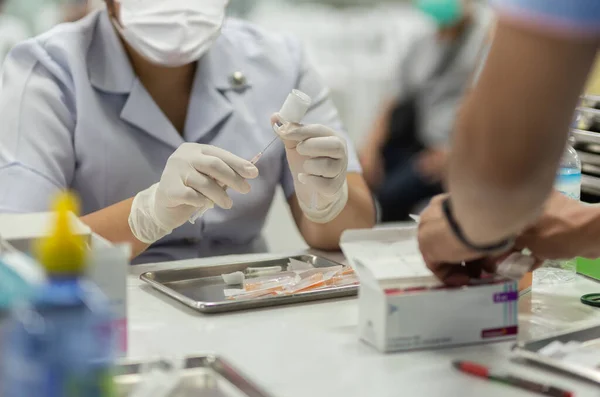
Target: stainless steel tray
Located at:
point(590, 184)
point(591, 336)
point(589, 137)
point(201, 288)
point(203, 376)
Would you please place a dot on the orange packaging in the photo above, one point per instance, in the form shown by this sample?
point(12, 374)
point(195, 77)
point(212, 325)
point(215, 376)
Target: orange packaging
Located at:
point(526, 281)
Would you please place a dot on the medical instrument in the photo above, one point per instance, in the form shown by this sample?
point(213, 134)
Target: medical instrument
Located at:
point(297, 282)
point(536, 351)
point(203, 289)
point(293, 110)
point(160, 378)
point(238, 277)
point(171, 33)
point(202, 375)
point(484, 372)
point(257, 158)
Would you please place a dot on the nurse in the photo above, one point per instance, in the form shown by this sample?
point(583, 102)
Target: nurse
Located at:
point(147, 108)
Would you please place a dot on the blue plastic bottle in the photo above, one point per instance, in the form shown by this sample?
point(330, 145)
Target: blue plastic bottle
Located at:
point(568, 182)
point(59, 344)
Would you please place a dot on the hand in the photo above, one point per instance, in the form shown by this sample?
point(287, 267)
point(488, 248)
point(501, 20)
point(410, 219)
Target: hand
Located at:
point(318, 160)
point(432, 164)
point(373, 169)
point(563, 230)
point(443, 252)
point(195, 178)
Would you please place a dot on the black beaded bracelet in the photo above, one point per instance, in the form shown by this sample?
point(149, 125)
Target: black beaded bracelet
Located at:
point(496, 247)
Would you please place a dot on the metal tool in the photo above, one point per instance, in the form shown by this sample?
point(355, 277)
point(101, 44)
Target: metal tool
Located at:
point(293, 110)
point(202, 288)
point(588, 337)
point(200, 376)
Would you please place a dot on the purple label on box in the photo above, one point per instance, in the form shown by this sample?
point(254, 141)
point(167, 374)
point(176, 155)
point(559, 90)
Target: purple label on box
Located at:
point(502, 297)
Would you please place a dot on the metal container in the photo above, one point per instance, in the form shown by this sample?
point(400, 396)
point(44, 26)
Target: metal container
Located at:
point(201, 288)
point(202, 376)
point(589, 337)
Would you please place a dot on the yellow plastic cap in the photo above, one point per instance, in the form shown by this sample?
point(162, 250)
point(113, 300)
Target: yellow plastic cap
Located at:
point(62, 252)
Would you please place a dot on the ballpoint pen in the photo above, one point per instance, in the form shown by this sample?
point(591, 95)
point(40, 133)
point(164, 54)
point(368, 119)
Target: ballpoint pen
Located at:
point(512, 380)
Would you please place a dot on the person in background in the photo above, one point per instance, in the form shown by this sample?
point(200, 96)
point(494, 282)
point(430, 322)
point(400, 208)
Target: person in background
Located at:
point(61, 11)
point(151, 110)
point(508, 143)
point(12, 31)
point(404, 155)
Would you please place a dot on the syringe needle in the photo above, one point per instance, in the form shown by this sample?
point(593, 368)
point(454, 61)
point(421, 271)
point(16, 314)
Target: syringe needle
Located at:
point(259, 155)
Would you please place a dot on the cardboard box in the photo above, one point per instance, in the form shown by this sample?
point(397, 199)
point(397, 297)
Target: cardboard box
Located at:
point(403, 306)
point(108, 265)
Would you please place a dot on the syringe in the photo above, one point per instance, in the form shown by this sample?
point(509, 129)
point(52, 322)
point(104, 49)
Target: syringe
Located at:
point(256, 158)
point(293, 110)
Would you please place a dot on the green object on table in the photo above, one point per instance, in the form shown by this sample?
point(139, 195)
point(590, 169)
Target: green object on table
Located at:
point(591, 300)
point(589, 267)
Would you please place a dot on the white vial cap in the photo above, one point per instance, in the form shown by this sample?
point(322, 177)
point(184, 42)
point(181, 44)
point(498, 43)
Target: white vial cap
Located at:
point(295, 107)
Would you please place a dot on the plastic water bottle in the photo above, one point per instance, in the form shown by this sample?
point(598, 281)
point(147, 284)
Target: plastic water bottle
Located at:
point(568, 182)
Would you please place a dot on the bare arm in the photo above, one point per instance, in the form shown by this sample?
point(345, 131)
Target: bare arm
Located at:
point(358, 213)
point(513, 129)
point(370, 154)
point(112, 224)
point(378, 135)
point(566, 229)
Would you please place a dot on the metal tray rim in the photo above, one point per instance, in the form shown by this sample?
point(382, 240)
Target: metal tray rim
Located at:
point(224, 306)
point(520, 350)
point(239, 380)
point(574, 369)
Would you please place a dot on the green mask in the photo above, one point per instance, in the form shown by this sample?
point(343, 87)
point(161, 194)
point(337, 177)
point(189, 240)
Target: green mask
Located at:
point(444, 12)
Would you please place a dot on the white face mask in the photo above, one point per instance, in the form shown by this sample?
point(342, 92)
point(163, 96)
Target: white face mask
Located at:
point(171, 32)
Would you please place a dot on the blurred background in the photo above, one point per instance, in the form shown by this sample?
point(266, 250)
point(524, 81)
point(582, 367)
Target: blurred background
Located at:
point(358, 47)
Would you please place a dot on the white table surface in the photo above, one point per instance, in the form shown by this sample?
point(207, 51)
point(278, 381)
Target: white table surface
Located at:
point(312, 349)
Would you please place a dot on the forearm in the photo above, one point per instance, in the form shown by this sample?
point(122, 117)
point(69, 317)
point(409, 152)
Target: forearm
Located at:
point(358, 213)
point(378, 136)
point(587, 235)
point(112, 224)
point(512, 131)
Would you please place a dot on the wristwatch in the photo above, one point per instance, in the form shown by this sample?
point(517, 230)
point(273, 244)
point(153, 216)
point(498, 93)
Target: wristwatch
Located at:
point(500, 246)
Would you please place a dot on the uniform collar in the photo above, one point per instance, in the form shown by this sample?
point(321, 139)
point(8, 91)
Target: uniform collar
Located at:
point(108, 64)
point(110, 71)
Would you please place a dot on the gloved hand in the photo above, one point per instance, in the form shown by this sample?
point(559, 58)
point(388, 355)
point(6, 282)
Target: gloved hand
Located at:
point(191, 181)
point(318, 159)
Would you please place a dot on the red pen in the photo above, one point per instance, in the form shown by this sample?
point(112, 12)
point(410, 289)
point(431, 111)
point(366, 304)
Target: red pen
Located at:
point(484, 372)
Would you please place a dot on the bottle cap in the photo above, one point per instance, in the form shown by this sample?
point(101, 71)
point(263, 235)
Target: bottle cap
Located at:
point(295, 107)
point(62, 253)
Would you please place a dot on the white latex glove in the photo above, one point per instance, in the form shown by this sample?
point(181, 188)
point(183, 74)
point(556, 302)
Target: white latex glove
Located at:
point(318, 159)
point(195, 178)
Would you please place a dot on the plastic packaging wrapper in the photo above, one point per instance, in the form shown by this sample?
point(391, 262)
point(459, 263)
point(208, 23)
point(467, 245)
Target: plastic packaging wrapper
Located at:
point(300, 277)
